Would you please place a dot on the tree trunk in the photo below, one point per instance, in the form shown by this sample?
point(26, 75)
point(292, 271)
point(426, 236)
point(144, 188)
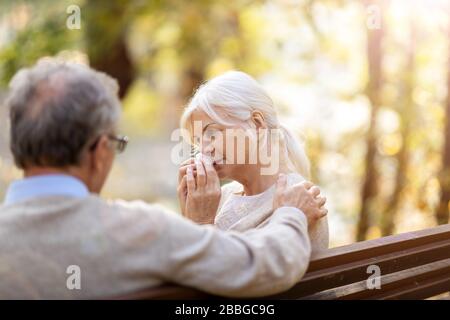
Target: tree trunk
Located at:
point(106, 41)
point(442, 212)
point(406, 114)
point(117, 63)
point(369, 186)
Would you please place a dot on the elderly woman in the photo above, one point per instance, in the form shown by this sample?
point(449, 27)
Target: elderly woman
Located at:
point(234, 107)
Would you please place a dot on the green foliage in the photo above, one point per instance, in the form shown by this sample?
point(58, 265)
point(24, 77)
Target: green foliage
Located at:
point(312, 55)
point(44, 35)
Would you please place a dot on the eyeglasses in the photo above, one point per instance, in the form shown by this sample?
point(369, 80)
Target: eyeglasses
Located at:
point(121, 142)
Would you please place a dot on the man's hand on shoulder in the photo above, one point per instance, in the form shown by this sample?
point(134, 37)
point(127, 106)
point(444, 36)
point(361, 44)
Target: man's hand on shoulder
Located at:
point(304, 196)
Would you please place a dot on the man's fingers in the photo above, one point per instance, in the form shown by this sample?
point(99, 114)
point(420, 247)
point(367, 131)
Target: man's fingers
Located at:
point(322, 212)
point(281, 183)
point(321, 201)
point(190, 181)
point(315, 191)
point(307, 184)
point(280, 188)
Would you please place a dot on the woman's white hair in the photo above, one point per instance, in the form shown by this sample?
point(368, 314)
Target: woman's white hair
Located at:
point(231, 98)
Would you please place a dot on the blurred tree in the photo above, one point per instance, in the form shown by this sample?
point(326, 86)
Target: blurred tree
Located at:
point(36, 31)
point(442, 212)
point(373, 91)
point(196, 45)
point(406, 114)
point(106, 26)
point(103, 35)
point(205, 29)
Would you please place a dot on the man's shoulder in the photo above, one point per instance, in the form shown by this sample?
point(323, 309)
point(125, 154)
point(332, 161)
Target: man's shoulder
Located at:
point(132, 205)
point(136, 207)
point(135, 219)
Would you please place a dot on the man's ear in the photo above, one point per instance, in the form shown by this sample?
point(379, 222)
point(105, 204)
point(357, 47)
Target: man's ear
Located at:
point(258, 120)
point(100, 153)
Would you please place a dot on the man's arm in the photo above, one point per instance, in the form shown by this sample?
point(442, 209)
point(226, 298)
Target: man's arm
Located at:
point(254, 263)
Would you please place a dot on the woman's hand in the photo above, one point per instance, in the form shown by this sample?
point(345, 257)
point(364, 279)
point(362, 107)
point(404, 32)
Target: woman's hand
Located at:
point(182, 184)
point(304, 196)
point(199, 194)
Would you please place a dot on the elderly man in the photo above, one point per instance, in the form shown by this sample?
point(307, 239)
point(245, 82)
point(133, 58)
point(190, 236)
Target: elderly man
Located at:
point(59, 239)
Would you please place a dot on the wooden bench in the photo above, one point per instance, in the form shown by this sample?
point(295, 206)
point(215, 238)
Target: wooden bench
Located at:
point(414, 265)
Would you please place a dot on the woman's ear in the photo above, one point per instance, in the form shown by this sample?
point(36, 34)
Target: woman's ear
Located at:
point(258, 119)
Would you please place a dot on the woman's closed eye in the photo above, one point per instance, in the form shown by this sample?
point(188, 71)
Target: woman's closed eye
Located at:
point(209, 135)
point(212, 134)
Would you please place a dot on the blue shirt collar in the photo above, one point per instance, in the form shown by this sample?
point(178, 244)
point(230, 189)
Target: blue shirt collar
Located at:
point(45, 185)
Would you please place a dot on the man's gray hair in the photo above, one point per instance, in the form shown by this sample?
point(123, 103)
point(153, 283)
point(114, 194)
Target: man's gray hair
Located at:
point(56, 109)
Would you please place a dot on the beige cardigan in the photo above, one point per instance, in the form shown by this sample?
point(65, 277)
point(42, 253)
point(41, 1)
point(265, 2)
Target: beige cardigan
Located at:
point(121, 247)
point(241, 213)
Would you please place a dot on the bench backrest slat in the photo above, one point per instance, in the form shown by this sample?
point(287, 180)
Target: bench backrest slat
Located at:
point(408, 280)
point(367, 249)
point(357, 270)
point(412, 265)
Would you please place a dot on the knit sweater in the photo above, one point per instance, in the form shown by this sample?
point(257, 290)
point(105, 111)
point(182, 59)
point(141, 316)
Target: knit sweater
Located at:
point(117, 247)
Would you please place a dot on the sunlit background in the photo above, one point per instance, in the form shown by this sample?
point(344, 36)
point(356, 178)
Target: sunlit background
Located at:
point(366, 83)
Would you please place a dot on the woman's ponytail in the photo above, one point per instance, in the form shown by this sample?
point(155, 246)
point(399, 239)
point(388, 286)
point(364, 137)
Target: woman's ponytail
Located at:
point(295, 153)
